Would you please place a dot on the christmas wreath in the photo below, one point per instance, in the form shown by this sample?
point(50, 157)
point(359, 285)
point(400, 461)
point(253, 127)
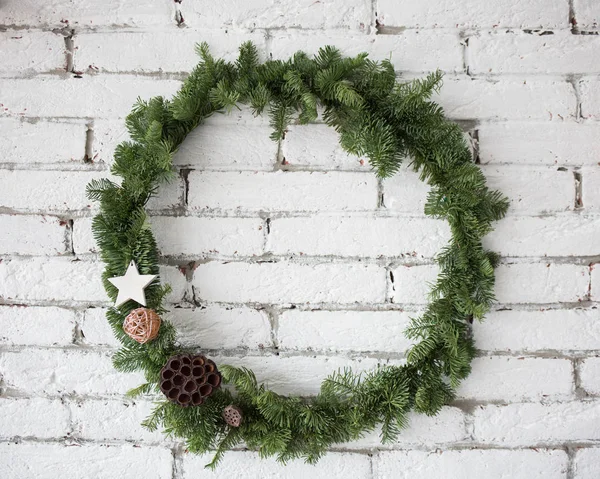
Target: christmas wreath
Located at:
point(217, 408)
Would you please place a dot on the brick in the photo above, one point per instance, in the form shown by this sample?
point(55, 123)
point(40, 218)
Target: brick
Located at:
point(111, 420)
point(96, 330)
point(472, 14)
point(466, 99)
point(447, 426)
point(420, 51)
point(193, 237)
point(529, 424)
point(496, 463)
point(566, 235)
point(590, 182)
point(334, 465)
point(64, 141)
point(298, 375)
point(66, 194)
point(554, 191)
point(59, 372)
point(589, 374)
point(37, 417)
point(405, 192)
point(98, 461)
point(409, 51)
point(34, 326)
point(412, 284)
point(539, 330)
point(170, 195)
point(352, 14)
point(30, 52)
point(595, 281)
point(535, 143)
point(590, 99)
point(363, 331)
point(118, 51)
point(87, 13)
point(107, 135)
point(227, 147)
point(585, 464)
point(282, 191)
point(216, 327)
point(519, 52)
point(503, 378)
point(541, 283)
point(51, 279)
point(174, 277)
point(33, 235)
point(587, 14)
point(285, 282)
point(98, 96)
point(83, 237)
point(357, 236)
point(317, 146)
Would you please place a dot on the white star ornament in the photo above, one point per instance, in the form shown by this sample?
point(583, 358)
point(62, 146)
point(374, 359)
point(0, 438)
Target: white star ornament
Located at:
point(131, 285)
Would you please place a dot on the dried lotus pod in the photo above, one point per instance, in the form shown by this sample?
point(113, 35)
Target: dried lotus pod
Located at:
point(189, 379)
point(142, 325)
point(233, 415)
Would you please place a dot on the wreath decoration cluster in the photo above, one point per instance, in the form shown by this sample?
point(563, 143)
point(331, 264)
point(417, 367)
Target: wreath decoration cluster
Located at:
point(376, 117)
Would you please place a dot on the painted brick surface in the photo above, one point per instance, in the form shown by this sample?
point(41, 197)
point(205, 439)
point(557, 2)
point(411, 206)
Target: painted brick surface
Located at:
point(471, 13)
point(293, 259)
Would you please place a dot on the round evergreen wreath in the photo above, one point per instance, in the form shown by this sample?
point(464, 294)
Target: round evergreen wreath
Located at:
point(376, 117)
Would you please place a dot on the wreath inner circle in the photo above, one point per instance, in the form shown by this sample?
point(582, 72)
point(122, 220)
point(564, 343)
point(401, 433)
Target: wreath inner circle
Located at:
point(216, 408)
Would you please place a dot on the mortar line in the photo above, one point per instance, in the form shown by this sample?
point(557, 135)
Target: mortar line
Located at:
point(573, 18)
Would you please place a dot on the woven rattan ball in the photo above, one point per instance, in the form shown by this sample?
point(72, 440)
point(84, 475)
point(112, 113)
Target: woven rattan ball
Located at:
point(233, 415)
point(142, 325)
point(188, 379)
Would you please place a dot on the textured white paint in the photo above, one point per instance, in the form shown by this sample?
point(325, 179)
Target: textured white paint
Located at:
point(519, 52)
point(590, 97)
point(64, 141)
point(518, 379)
point(522, 424)
point(588, 14)
point(499, 464)
point(34, 235)
point(285, 282)
point(36, 326)
point(539, 330)
point(539, 143)
point(84, 461)
point(282, 191)
point(28, 51)
point(473, 13)
point(358, 236)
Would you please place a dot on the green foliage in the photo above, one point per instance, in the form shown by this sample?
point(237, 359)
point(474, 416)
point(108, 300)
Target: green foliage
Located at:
point(376, 117)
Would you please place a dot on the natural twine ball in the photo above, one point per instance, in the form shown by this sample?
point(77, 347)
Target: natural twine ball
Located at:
point(142, 325)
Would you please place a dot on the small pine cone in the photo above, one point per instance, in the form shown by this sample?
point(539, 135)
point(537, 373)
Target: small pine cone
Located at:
point(188, 380)
point(142, 325)
point(233, 415)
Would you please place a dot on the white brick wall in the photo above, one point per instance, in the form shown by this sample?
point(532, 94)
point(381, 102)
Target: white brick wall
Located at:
point(295, 260)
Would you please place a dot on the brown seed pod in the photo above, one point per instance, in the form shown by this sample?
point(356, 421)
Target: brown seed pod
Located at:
point(233, 415)
point(188, 379)
point(142, 325)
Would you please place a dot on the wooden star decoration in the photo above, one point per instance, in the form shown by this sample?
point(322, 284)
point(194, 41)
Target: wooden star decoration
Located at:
point(131, 285)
